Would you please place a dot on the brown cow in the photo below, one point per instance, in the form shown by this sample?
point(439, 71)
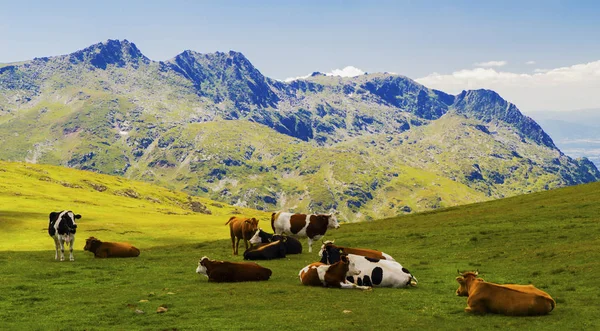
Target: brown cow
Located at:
point(331, 275)
point(509, 299)
point(370, 253)
point(241, 228)
point(109, 249)
point(311, 226)
point(224, 271)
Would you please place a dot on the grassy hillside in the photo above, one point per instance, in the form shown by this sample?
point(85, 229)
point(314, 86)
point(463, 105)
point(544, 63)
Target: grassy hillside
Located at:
point(550, 239)
point(112, 208)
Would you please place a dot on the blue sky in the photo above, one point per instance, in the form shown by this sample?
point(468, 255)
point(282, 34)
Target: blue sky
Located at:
point(293, 38)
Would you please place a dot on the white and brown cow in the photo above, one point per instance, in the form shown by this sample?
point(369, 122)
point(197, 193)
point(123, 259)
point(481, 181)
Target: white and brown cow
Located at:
point(62, 228)
point(311, 226)
point(373, 272)
point(334, 275)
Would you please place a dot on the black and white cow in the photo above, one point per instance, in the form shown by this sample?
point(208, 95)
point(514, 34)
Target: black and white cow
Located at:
point(62, 228)
point(373, 272)
point(292, 245)
point(274, 250)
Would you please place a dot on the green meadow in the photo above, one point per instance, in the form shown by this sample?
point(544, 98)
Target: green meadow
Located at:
point(549, 239)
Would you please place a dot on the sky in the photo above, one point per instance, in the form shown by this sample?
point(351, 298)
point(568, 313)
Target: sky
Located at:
point(540, 55)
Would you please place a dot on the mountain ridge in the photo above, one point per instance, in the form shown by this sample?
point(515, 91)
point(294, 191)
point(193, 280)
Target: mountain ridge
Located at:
point(110, 109)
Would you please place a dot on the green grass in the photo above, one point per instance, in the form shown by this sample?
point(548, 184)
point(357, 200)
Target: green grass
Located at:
point(549, 239)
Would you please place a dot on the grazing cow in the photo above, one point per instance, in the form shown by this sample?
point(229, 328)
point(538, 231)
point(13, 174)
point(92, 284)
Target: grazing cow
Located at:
point(311, 226)
point(274, 250)
point(358, 251)
point(241, 228)
point(62, 228)
point(292, 245)
point(109, 249)
point(334, 275)
point(374, 272)
point(224, 271)
point(509, 299)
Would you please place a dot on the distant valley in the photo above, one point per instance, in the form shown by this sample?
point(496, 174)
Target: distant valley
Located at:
point(212, 125)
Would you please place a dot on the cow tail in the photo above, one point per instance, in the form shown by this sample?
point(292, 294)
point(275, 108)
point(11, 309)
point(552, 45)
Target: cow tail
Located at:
point(230, 219)
point(273, 218)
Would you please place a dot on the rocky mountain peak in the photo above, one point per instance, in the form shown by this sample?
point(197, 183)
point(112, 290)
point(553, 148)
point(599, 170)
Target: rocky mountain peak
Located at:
point(116, 52)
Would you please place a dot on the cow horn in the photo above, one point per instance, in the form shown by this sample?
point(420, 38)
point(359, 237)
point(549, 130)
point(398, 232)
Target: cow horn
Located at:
point(459, 272)
point(476, 272)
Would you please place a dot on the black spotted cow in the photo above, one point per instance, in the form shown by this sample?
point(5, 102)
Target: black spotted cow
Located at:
point(311, 226)
point(373, 272)
point(62, 228)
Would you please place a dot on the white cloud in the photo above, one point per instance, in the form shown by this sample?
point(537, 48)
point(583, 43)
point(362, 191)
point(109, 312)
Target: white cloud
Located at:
point(565, 88)
point(348, 71)
point(530, 62)
point(491, 64)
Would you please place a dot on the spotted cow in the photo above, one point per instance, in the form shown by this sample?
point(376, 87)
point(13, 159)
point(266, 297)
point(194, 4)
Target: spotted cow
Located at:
point(62, 228)
point(311, 226)
point(374, 254)
point(506, 299)
point(334, 275)
point(373, 272)
point(225, 271)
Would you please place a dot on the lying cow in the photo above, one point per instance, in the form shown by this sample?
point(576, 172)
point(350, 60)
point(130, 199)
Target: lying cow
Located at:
point(224, 271)
point(374, 272)
point(104, 249)
point(334, 275)
point(274, 250)
point(241, 228)
point(509, 299)
point(311, 226)
point(292, 245)
point(357, 251)
point(62, 228)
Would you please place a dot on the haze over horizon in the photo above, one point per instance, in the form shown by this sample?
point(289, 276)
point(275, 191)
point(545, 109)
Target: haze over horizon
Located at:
point(537, 54)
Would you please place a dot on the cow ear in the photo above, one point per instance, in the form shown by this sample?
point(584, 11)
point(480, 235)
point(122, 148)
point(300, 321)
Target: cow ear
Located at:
point(77, 216)
point(460, 280)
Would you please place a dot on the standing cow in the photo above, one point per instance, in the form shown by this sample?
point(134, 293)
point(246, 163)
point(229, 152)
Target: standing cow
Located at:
point(62, 228)
point(241, 228)
point(311, 226)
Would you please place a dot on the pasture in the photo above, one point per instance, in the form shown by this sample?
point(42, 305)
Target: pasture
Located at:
point(550, 239)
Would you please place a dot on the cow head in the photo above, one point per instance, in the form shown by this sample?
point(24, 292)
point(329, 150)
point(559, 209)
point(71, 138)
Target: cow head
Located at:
point(330, 254)
point(91, 244)
point(250, 225)
point(256, 238)
point(66, 223)
point(202, 266)
point(465, 280)
point(325, 246)
point(332, 221)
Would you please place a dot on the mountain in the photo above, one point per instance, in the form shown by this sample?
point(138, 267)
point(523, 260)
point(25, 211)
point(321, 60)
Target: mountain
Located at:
point(576, 132)
point(212, 125)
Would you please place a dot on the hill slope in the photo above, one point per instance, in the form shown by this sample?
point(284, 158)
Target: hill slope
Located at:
point(546, 238)
point(109, 109)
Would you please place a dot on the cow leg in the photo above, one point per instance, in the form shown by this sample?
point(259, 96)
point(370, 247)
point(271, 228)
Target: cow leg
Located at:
point(310, 241)
point(233, 244)
point(71, 257)
point(62, 249)
point(237, 245)
point(347, 284)
point(56, 247)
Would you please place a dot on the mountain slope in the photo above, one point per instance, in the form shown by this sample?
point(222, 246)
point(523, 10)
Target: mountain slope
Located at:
point(369, 145)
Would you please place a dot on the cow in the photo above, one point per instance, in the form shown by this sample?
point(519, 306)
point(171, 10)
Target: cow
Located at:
point(274, 250)
point(334, 275)
point(311, 226)
point(357, 251)
point(62, 228)
point(241, 228)
point(508, 299)
point(104, 249)
point(292, 245)
point(224, 271)
point(374, 272)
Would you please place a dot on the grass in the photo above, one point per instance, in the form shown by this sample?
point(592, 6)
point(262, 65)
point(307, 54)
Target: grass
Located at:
point(549, 239)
